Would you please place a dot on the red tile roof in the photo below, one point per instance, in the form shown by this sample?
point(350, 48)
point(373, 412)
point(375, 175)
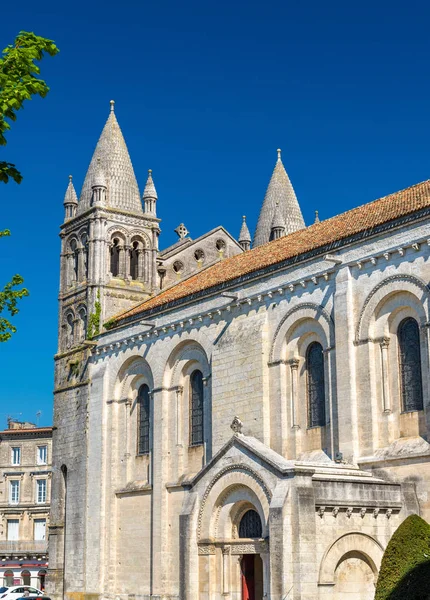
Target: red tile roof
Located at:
point(360, 219)
point(26, 430)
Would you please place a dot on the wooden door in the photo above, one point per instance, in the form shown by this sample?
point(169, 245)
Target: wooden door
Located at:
point(248, 577)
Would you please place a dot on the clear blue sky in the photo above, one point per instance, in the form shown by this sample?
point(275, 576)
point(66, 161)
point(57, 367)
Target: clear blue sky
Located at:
point(205, 92)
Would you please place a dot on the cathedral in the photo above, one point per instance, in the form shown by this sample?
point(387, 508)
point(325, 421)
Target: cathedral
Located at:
point(236, 419)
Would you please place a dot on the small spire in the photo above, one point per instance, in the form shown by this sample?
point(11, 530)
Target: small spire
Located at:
point(278, 219)
point(71, 197)
point(70, 201)
point(150, 191)
point(150, 195)
point(279, 153)
point(244, 235)
point(99, 177)
point(317, 218)
point(112, 105)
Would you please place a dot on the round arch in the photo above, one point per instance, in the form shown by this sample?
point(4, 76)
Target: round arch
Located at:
point(388, 287)
point(356, 541)
point(184, 358)
point(230, 494)
point(134, 368)
point(324, 326)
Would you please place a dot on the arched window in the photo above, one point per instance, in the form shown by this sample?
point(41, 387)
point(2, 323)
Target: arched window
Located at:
point(75, 259)
point(84, 241)
point(82, 323)
point(134, 261)
point(250, 525)
point(315, 385)
point(26, 577)
point(144, 418)
point(41, 576)
point(114, 258)
point(70, 337)
point(8, 578)
point(196, 408)
point(411, 385)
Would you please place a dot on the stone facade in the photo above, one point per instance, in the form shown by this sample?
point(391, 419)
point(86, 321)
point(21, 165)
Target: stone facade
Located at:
point(25, 494)
point(152, 491)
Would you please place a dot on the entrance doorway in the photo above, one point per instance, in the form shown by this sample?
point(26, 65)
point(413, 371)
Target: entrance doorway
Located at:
point(252, 577)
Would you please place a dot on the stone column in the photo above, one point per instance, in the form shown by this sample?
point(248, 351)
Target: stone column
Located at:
point(160, 507)
point(329, 370)
point(294, 367)
point(127, 261)
point(71, 278)
point(346, 392)
point(226, 570)
point(91, 252)
point(386, 400)
point(140, 265)
point(122, 261)
point(81, 269)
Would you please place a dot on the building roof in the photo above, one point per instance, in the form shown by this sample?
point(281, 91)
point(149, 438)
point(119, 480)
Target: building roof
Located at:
point(319, 236)
point(279, 191)
point(26, 430)
point(115, 163)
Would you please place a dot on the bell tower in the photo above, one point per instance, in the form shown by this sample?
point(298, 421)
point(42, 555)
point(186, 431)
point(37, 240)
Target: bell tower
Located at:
point(109, 241)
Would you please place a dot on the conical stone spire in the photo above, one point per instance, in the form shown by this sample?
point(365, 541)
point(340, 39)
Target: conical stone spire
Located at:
point(244, 235)
point(115, 163)
point(279, 190)
point(150, 195)
point(71, 196)
point(70, 200)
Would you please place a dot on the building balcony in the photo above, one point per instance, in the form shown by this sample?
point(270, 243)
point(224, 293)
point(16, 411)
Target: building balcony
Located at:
point(22, 547)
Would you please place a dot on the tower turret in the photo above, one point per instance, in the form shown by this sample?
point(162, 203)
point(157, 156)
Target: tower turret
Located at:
point(99, 186)
point(70, 201)
point(279, 190)
point(150, 196)
point(244, 235)
point(278, 224)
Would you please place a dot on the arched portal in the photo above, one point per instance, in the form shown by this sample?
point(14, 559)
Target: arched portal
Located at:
point(233, 536)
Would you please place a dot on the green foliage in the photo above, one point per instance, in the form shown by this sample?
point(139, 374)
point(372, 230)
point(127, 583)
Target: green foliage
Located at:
point(19, 81)
point(93, 327)
point(405, 568)
point(109, 324)
point(9, 297)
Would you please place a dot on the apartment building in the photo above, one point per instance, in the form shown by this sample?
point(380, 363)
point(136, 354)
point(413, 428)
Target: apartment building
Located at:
point(25, 491)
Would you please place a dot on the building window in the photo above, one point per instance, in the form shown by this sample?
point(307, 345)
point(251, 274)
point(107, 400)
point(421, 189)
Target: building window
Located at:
point(42, 455)
point(42, 579)
point(411, 386)
point(14, 491)
point(12, 530)
point(8, 578)
point(41, 491)
point(144, 417)
point(16, 456)
point(114, 258)
point(26, 577)
point(134, 261)
point(39, 529)
point(250, 525)
point(196, 408)
point(315, 385)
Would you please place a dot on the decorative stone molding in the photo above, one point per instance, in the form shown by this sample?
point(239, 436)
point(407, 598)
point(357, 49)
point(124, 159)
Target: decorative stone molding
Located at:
point(374, 297)
point(240, 469)
point(354, 541)
point(313, 311)
point(206, 549)
point(236, 425)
